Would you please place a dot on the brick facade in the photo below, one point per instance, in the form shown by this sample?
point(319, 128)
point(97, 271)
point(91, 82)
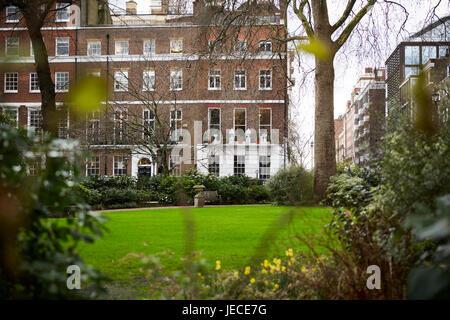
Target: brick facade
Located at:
point(194, 99)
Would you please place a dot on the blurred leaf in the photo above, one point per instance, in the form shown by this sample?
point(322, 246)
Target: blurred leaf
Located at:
point(88, 94)
point(317, 48)
point(426, 282)
point(424, 107)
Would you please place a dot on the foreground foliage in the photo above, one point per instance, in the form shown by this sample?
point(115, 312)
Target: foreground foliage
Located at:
point(35, 250)
point(394, 213)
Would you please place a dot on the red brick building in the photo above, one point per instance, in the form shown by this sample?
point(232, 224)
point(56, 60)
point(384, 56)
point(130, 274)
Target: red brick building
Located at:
point(161, 66)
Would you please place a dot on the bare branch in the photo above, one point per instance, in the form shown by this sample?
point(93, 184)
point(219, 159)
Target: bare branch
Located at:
point(356, 19)
point(345, 15)
point(301, 15)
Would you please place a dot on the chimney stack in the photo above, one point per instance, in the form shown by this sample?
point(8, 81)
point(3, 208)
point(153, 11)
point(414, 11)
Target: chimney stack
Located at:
point(131, 7)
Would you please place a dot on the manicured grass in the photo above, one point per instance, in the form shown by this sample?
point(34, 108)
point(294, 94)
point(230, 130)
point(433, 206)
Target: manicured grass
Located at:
point(229, 234)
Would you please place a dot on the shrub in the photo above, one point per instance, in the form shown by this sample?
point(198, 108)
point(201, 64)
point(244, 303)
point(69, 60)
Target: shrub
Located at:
point(233, 194)
point(290, 186)
point(99, 183)
point(258, 194)
point(352, 187)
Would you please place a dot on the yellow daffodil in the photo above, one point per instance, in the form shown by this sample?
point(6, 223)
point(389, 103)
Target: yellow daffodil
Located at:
point(283, 269)
point(266, 263)
point(264, 271)
point(266, 282)
point(252, 280)
point(218, 265)
point(289, 252)
point(247, 271)
point(276, 286)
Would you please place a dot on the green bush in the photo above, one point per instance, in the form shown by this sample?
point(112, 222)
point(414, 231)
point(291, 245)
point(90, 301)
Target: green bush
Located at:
point(99, 183)
point(290, 186)
point(258, 194)
point(352, 187)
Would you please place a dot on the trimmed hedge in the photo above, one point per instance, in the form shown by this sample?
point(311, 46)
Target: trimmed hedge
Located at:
point(117, 192)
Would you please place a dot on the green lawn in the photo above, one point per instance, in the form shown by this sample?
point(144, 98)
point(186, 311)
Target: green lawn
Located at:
point(229, 234)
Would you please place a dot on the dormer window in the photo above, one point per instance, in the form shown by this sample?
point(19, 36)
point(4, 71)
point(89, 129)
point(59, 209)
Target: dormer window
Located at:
point(62, 12)
point(12, 14)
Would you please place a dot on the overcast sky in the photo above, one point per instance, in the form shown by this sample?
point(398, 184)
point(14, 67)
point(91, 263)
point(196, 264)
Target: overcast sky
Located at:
point(356, 55)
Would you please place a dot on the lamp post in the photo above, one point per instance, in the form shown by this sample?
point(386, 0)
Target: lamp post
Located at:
point(436, 97)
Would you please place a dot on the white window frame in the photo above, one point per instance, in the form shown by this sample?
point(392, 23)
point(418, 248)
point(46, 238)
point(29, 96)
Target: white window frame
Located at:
point(172, 83)
point(265, 42)
point(6, 82)
point(93, 126)
point(214, 76)
point(116, 52)
point(62, 40)
point(148, 75)
point(92, 47)
point(240, 46)
point(7, 46)
point(152, 46)
point(59, 12)
point(31, 82)
point(234, 118)
point(90, 169)
point(124, 168)
point(240, 77)
point(175, 120)
point(8, 15)
point(58, 87)
point(266, 76)
point(122, 121)
point(217, 46)
point(121, 75)
point(238, 157)
point(63, 124)
point(149, 120)
point(266, 168)
point(213, 165)
point(173, 46)
point(220, 118)
point(269, 132)
point(33, 128)
point(7, 110)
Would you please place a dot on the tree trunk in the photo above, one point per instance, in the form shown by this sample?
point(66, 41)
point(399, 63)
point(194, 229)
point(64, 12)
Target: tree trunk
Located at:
point(47, 87)
point(324, 144)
